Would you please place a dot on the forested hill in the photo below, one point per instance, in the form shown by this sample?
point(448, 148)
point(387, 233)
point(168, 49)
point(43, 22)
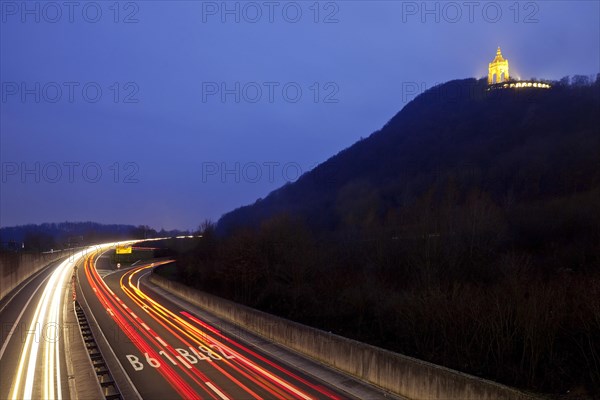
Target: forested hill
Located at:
point(465, 232)
point(517, 146)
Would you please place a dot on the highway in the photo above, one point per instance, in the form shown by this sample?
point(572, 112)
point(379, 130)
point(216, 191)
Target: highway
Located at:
point(160, 348)
point(20, 339)
point(169, 352)
point(33, 360)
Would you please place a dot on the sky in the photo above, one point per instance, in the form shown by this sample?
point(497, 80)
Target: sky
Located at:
point(169, 113)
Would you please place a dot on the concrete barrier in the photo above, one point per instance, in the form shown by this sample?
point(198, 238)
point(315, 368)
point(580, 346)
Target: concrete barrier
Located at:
point(399, 374)
point(16, 267)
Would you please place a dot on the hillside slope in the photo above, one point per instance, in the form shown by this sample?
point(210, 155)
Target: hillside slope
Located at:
point(465, 232)
point(526, 144)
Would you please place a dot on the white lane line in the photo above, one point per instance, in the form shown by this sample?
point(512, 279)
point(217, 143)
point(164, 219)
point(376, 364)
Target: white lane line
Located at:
point(133, 314)
point(12, 331)
point(180, 358)
point(24, 284)
point(48, 307)
point(140, 278)
point(160, 340)
point(112, 352)
point(110, 312)
point(217, 391)
point(146, 327)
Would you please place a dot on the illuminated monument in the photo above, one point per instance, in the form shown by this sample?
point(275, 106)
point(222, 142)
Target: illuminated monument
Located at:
point(499, 78)
point(498, 69)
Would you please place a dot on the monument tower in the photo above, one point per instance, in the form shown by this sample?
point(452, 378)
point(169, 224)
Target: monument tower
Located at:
point(498, 69)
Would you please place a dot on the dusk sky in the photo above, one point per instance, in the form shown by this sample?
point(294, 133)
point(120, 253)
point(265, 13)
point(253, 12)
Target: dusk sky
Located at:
point(169, 113)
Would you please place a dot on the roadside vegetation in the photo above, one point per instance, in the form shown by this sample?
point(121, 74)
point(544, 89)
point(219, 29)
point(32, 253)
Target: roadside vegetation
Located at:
point(464, 233)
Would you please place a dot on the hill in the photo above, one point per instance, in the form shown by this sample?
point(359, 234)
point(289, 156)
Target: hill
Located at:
point(465, 232)
point(519, 146)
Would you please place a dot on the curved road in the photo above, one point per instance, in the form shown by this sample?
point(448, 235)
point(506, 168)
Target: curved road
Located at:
point(27, 339)
point(168, 352)
point(165, 349)
point(34, 338)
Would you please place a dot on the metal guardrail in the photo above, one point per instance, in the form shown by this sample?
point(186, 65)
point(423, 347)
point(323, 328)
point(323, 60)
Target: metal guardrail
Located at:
point(107, 383)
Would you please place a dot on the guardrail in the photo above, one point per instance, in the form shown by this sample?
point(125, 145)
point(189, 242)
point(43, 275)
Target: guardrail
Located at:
point(107, 384)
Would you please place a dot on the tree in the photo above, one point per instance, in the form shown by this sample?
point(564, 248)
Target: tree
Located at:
point(207, 227)
point(580, 80)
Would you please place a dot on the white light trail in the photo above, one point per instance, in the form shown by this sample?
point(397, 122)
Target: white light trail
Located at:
point(44, 334)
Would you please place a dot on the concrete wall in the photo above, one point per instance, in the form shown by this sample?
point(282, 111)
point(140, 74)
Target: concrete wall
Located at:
point(394, 372)
point(16, 267)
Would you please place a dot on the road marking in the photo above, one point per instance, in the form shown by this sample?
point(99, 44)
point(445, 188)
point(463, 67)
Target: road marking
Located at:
point(188, 366)
point(137, 393)
point(140, 278)
point(146, 327)
point(133, 314)
point(160, 341)
point(110, 312)
point(26, 283)
point(217, 391)
point(12, 331)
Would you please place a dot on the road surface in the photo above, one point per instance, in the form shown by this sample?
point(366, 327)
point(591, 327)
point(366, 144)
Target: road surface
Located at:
point(28, 345)
point(168, 352)
point(159, 348)
point(33, 350)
